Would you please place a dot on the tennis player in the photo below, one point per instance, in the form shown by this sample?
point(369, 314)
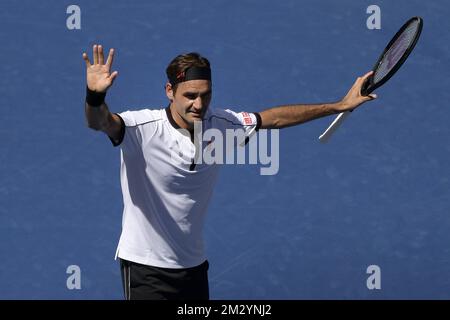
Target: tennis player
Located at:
point(165, 200)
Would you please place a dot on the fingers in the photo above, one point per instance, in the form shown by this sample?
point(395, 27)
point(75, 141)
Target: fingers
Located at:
point(359, 82)
point(95, 53)
point(110, 59)
point(370, 97)
point(363, 78)
point(368, 74)
point(113, 76)
point(101, 57)
point(86, 59)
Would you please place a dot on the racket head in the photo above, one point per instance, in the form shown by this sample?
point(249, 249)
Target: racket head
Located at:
point(373, 82)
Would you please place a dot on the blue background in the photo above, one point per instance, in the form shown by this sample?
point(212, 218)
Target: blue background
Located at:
point(377, 193)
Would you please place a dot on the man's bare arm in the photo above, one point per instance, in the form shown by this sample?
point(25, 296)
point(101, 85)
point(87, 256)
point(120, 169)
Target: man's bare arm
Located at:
point(290, 115)
point(100, 118)
point(99, 80)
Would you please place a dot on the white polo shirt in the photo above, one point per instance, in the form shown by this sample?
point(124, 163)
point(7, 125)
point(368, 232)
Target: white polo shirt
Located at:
point(165, 201)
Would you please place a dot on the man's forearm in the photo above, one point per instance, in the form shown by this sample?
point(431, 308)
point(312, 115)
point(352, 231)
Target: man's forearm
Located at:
point(98, 118)
point(290, 115)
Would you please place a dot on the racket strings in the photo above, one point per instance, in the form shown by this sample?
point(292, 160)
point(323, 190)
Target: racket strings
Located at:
point(396, 51)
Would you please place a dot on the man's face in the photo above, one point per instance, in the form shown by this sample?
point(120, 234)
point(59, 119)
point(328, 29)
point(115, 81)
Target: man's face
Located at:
point(190, 101)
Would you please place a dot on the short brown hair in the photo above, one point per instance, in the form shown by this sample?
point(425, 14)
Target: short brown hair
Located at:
point(183, 62)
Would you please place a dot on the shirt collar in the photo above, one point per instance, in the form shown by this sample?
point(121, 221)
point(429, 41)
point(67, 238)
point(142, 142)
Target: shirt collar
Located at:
point(171, 120)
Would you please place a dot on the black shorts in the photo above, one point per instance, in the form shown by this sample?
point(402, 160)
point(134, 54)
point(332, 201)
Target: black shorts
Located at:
point(142, 282)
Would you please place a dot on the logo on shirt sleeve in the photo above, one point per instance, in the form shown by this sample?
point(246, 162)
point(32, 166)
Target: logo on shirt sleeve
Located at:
point(247, 118)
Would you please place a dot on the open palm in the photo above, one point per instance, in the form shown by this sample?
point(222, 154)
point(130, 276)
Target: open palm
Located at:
point(99, 76)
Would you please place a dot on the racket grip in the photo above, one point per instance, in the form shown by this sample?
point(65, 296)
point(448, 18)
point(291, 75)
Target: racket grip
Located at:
point(366, 88)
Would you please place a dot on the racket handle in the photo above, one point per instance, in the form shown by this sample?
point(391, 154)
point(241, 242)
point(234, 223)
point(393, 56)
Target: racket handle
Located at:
point(366, 87)
point(325, 136)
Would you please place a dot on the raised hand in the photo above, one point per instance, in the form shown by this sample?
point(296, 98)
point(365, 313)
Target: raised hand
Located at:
point(99, 76)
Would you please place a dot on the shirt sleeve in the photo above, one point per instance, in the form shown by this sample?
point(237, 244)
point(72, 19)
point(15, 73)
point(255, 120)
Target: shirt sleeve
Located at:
point(250, 122)
point(136, 125)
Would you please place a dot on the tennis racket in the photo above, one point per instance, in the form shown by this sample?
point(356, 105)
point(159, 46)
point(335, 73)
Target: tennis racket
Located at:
point(392, 58)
